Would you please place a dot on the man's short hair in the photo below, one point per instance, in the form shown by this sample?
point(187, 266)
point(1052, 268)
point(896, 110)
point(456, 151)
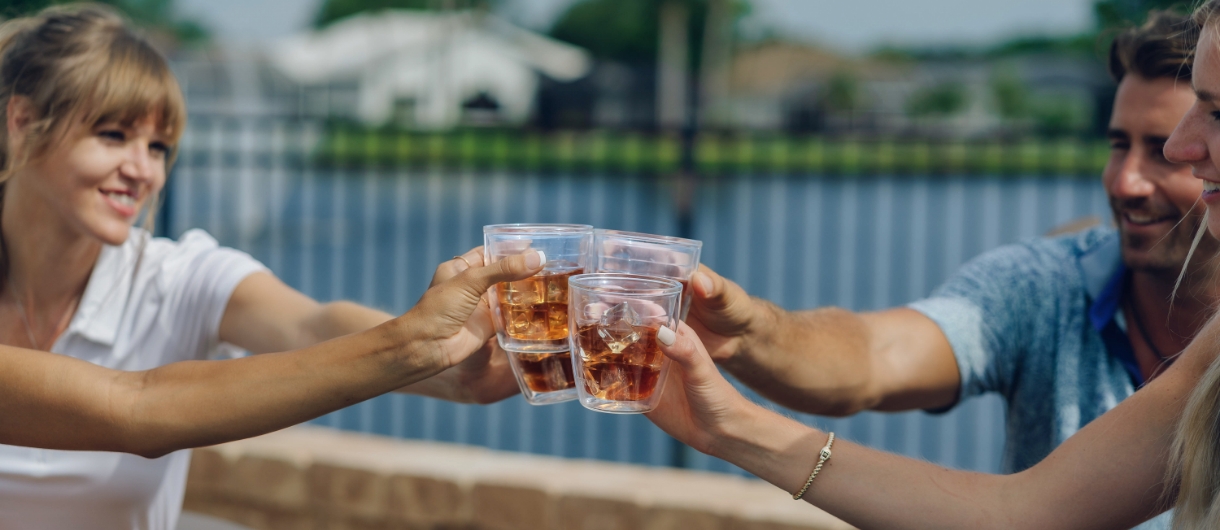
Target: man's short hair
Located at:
point(1161, 48)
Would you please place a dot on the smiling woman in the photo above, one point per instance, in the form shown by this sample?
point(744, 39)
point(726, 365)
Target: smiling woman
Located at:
point(91, 114)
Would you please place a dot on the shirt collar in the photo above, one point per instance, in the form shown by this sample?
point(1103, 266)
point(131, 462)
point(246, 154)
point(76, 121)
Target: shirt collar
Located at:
point(106, 294)
point(1103, 272)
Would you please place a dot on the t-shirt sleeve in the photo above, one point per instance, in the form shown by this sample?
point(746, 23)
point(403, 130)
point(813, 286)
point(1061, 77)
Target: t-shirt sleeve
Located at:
point(994, 310)
point(198, 277)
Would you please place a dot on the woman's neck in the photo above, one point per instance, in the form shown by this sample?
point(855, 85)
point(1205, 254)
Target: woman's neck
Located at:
point(49, 262)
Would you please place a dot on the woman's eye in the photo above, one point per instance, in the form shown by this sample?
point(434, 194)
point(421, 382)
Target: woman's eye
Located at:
point(159, 147)
point(114, 135)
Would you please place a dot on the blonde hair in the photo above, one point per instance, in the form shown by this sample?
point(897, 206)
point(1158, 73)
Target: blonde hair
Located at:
point(81, 65)
point(1194, 471)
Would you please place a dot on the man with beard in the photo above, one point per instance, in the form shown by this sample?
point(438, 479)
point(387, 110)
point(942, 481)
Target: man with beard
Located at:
point(1063, 328)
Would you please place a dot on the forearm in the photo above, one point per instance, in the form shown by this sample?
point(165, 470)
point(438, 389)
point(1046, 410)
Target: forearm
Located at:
point(1092, 484)
point(336, 319)
point(1109, 475)
point(814, 361)
point(867, 488)
point(62, 403)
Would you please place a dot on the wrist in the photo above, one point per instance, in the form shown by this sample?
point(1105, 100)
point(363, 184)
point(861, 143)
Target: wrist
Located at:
point(773, 447)
point(414, 354)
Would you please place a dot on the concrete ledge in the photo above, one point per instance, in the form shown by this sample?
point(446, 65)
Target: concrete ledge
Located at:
point(312, 478)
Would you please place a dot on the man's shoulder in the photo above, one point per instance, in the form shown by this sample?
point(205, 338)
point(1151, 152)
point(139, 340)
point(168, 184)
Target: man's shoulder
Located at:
point(1098, 239)
point(1054, 257)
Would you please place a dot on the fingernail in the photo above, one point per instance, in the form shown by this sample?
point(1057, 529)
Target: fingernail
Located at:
point(535, 259)
point(705, 283)
point(666, 336)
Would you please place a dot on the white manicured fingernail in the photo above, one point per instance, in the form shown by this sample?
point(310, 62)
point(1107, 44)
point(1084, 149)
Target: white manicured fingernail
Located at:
point(535, 260)
point(667, 336)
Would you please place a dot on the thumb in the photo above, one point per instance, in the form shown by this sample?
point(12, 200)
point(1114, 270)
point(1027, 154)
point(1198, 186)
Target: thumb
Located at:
point(477, 280)
point(719, 304)
point(470, 284)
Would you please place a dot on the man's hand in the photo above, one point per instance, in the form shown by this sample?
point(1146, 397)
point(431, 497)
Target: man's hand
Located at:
point(723, 315)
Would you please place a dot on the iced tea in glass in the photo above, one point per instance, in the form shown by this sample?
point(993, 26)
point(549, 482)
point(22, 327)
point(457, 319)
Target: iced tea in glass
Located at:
point(531, 315)
point(616, 358)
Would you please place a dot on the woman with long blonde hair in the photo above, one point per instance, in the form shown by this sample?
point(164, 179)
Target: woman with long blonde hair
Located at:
point(90, 115)
point(1157, 448)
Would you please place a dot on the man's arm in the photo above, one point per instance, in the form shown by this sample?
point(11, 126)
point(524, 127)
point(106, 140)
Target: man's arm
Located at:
point(266, 315)
point(825, 361)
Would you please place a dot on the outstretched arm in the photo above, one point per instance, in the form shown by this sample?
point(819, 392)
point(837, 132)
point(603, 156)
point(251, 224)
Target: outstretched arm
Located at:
point(266, 315)
point(58, 402)
point(827, 361)
point(1109, 475)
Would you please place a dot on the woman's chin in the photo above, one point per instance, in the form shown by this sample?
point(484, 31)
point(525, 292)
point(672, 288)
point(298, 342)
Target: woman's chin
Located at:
point(1213, 225)
point(113, 235)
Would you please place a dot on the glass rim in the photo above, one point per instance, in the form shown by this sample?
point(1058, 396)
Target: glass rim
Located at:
point(536, 228)
point(663, 286)
point(648, 238)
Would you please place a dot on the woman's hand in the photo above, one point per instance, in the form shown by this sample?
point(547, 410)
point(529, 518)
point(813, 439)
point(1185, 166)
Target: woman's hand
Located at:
point(453, 320)
point(485, 376)
point(699, 406)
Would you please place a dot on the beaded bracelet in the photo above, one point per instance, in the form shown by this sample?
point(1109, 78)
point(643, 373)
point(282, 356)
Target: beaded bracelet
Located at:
point(823, 456)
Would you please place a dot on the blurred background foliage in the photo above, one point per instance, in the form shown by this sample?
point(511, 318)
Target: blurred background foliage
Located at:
point(842, 93)
point(156, 15)
point(334, 10)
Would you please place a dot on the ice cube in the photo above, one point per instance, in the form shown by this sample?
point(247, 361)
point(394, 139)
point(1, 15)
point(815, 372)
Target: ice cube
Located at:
point(618, 327)
point(555, 293)
point(517, 296)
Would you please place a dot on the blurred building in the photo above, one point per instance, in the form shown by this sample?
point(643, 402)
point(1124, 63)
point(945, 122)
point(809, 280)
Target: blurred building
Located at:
point(803, 88)
point(421, 69)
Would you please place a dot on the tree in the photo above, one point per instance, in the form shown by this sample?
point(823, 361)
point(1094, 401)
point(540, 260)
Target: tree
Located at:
point(154, 14)
point(843, 92)
point(941, 100)
point(334, 10)
point(1122, 13)
point(1010, 95)
point(627, 30)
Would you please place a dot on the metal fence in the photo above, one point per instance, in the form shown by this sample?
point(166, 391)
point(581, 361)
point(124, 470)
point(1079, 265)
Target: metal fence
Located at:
point(374, 233)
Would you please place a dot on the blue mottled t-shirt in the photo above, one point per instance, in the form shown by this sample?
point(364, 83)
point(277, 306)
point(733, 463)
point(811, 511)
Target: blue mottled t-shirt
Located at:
point(1025, 322)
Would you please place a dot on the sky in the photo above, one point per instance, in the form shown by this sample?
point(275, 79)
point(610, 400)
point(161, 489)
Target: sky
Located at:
point(848, 25)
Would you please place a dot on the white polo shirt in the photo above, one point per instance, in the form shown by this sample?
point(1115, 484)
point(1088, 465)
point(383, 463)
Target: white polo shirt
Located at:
point(137, 313)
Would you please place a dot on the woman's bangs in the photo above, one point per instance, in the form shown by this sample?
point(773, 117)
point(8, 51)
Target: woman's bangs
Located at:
point(133, 86)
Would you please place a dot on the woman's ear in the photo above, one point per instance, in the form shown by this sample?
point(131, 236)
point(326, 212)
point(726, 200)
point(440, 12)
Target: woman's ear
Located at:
point(20, 114)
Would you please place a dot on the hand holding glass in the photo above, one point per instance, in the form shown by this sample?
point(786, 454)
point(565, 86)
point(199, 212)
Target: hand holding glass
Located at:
point(531, 315)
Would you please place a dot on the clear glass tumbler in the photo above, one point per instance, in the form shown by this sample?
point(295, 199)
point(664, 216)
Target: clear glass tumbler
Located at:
point(649, 255)
point(616, 358)
point(531, 315)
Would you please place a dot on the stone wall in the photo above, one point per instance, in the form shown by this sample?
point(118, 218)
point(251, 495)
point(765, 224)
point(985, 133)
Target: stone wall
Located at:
point(315, 478)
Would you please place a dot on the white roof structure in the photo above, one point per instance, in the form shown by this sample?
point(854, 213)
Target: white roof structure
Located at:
point(437, 60)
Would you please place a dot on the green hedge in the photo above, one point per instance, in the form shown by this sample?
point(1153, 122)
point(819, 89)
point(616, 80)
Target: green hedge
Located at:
point(344, 146)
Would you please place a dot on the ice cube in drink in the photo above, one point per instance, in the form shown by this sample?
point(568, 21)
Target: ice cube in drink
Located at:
point(536, 308)
point(545, 372)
